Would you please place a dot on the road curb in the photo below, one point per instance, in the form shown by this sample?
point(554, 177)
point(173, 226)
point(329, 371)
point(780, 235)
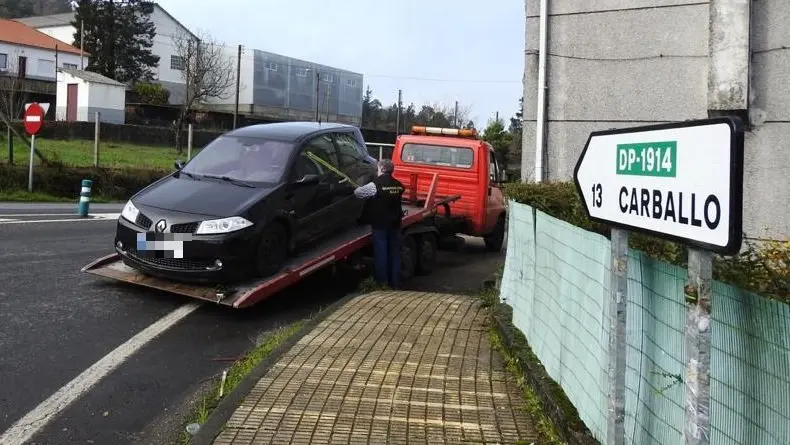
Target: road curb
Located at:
point(227, 406)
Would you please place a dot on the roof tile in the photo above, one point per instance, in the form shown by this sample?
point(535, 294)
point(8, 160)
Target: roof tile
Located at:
point(18, 33)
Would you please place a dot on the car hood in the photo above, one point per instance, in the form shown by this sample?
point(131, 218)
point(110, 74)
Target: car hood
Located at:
point(208, 197)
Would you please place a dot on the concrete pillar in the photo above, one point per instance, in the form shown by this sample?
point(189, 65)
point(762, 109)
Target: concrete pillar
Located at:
point(729, 52)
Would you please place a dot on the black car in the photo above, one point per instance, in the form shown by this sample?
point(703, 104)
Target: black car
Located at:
point(243, 205)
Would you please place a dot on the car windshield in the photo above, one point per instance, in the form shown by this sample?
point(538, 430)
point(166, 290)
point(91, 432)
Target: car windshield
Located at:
point(242, 158)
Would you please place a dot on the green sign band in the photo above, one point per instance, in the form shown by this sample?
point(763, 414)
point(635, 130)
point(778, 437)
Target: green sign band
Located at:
point(648, 159)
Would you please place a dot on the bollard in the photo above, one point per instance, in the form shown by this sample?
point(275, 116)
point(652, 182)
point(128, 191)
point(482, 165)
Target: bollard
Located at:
point(85, 197)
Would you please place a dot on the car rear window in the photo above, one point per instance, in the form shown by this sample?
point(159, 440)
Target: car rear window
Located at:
point(439, 155)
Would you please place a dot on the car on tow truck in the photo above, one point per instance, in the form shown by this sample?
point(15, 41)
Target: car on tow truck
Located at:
point(246, 203)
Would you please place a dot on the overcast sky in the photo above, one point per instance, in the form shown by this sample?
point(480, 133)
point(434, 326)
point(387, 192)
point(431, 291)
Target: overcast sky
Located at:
point(434, 50)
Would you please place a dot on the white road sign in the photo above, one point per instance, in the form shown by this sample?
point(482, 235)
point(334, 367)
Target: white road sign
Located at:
point(679, 181)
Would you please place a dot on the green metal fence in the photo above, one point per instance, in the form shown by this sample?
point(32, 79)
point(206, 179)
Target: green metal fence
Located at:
point(557, 279)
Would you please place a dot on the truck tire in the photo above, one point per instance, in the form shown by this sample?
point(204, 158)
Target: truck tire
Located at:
point(409, 253)
point(272, 250)
point(427, 247)
point(496, 238)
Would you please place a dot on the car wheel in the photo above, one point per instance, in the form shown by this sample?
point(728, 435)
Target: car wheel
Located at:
point(427, 247)
point(408, 262)
point(495, 239)
point(272, 250)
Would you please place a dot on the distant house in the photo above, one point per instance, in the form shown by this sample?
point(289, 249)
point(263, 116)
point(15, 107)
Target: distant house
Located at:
point(28, 53)
point(82, 94)
point(168, 73)
point(273, 85)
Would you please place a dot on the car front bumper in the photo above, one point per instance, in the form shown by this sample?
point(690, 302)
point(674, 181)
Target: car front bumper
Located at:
point(206, 258)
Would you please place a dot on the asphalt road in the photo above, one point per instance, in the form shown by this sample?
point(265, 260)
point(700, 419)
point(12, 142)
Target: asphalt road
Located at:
point(55, 323)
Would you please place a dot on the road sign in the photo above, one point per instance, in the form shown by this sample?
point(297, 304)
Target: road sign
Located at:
point(34, 118)
point(680, 181)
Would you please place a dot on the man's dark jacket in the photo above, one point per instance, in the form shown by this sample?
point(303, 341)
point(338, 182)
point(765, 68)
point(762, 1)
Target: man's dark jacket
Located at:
point(385, 209)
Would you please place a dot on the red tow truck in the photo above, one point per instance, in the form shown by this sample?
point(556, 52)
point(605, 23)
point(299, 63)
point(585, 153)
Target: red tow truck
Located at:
point(451, 180)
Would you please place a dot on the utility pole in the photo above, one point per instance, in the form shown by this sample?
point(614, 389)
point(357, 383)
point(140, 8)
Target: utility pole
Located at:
point(397, 116)
point(238, 86)
point(82, 45)
point(56, 62)
point(455, 116)
point(317, 82)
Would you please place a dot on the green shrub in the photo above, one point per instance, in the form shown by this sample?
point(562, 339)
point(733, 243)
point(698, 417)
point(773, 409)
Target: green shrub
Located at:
point(152, 93)
point(762, 268)
point(56, 180)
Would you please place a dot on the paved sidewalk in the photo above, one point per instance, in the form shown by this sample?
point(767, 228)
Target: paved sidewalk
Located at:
point(387, 367)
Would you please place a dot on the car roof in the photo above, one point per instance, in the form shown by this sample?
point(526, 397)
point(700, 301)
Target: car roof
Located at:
point(287, 131)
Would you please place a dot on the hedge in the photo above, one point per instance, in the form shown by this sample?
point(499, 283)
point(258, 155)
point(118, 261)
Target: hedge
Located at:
point(113, 184)
point(763, 267)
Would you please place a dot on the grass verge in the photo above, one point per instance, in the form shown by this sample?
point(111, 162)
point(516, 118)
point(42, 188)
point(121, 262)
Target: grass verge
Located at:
point(25, 196)
point(79, 153)
point(556, 418)
point(237, 372)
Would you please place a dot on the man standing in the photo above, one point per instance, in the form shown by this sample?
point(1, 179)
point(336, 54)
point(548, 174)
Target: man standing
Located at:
point(385, 194)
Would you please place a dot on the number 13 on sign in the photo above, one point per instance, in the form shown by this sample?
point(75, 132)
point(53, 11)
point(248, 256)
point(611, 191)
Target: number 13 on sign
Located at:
point(597, 198)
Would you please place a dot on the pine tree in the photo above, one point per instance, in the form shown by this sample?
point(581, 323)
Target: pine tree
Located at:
point(119, 36)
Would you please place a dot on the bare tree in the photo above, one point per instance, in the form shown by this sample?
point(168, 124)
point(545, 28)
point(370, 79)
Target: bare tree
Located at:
point(464, 112)
point(12, 101)
point(208, 72)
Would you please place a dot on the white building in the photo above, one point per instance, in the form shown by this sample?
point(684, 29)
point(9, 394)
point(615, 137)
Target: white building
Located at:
point(168, 72)
point(31, 54)
point(82, 94)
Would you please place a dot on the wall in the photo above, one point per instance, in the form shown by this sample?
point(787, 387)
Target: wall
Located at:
point(34, 70)
point(247, 76)
point(109, 101)
point(617, 63)
point(63, 33)
point(163, 47)
point(62, 97)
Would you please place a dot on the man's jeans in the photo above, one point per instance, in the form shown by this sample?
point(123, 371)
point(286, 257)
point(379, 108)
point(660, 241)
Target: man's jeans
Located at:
point(387, 256)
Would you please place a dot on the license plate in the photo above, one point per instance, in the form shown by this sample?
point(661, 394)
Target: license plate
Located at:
point(162, 245)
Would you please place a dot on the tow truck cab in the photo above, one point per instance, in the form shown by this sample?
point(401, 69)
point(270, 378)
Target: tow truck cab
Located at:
point(467, 166)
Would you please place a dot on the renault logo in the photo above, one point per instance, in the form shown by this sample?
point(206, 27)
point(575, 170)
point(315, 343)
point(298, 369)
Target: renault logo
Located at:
point(161, 225)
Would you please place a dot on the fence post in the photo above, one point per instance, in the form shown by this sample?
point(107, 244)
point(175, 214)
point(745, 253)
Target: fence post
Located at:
point(10, 137)
point(85, 197)
point(189, 143)
point(698, 292)
point(618, 304)
point(96, 142)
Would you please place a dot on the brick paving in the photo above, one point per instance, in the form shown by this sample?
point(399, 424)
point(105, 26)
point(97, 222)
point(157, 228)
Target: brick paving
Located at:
point(387, 367)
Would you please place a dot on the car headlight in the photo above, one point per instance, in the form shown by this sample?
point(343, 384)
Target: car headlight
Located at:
point(130, 212)
point(224, 225)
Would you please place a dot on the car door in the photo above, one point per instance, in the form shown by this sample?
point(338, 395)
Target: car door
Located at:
point(352, 162)
point(313, 205)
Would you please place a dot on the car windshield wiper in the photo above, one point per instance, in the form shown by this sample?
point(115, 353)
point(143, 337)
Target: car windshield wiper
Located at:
point(191, 175)
point(231, 180)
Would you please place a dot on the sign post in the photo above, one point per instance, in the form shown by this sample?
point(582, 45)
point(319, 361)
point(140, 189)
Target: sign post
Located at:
point(34, 120)
point(682, 182)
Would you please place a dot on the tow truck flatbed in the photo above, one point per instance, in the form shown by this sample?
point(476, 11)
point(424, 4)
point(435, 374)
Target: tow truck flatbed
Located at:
point(245, 294)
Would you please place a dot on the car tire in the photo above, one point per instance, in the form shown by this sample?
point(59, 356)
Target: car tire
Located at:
point(496, 238)
point(408, 262)
point(427, 247)
point(272, 250)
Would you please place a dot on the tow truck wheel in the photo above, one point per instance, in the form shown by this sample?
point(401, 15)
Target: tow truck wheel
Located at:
point(272, 250)
point(408, 260)
point(495, 239)
point(426, 247)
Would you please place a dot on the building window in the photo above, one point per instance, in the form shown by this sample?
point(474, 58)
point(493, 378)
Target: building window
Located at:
point(327, 78)
point(3, 61)
point(46, 67)
point(301, 72)
point(177, 63)
point(70, 66)
point(351, 83)
point(271, 66)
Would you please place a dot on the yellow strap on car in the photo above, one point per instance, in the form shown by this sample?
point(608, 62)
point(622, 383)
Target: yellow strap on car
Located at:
point(329, 166)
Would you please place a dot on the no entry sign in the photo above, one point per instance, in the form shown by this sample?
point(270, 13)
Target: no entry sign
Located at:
point(34, 118)
point(679, 181)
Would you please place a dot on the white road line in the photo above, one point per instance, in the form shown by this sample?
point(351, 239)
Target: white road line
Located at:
point(94, 217)
point(5, 220)
point(34, 421)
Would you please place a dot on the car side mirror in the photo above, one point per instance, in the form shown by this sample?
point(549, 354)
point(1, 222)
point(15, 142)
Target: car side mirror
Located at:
point(178, 165)
point(309, 179)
